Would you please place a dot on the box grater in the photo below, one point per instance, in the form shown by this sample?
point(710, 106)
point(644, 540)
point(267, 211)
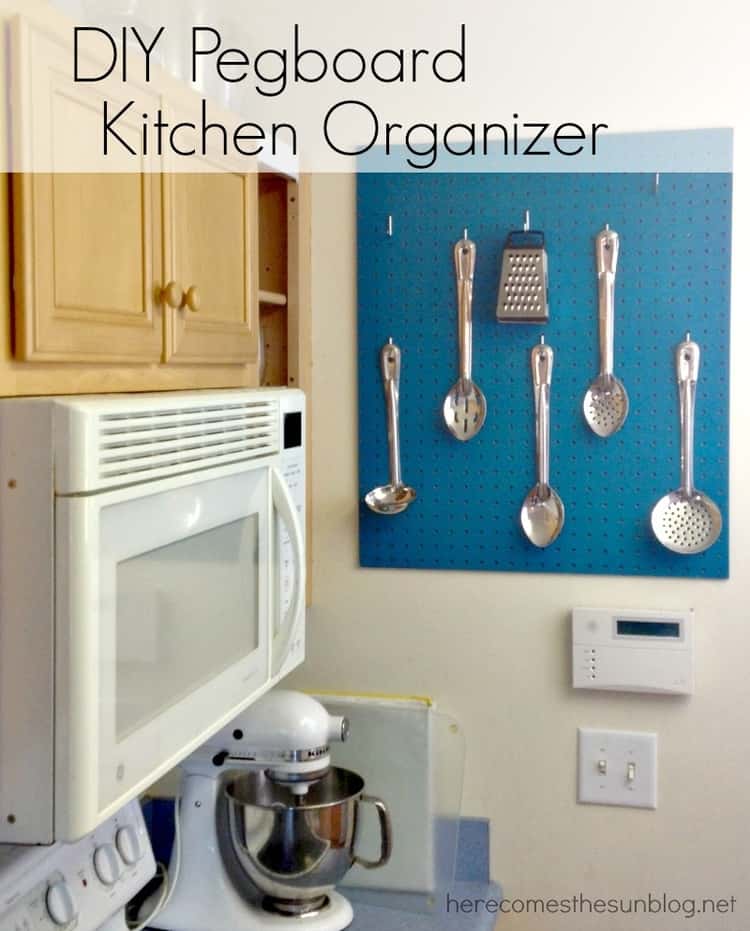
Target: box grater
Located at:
point(523, 295)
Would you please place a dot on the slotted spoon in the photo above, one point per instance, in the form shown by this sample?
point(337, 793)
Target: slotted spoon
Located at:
point(686, 521)
point(606, 404)
point(465, 407)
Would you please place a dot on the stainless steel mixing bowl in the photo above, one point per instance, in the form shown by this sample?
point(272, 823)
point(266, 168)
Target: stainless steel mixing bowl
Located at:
point(295, 848)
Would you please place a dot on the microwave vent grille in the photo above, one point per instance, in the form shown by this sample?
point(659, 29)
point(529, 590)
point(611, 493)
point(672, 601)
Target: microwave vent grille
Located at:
point(155, 443)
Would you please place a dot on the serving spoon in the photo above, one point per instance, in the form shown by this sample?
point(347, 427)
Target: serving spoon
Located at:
point(542, 513)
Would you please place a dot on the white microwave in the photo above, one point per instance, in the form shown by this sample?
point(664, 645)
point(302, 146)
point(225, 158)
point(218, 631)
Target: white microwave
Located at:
point(152, 585)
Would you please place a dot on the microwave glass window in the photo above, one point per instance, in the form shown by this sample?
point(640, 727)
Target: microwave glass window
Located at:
point(174, 633)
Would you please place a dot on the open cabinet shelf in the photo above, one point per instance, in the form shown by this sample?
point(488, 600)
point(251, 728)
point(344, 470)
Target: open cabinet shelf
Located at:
point(274, 193)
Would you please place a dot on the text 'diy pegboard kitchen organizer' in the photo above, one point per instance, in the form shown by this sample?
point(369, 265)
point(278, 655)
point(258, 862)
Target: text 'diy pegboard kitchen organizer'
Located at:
point(673, 277)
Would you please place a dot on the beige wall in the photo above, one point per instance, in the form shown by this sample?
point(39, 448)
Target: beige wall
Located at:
point(493, 649)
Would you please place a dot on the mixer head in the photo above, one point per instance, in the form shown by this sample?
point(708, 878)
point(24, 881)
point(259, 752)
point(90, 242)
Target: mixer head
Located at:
point(287, 734)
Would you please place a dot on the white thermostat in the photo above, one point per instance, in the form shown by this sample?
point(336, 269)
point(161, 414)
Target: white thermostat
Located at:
point(633, 651)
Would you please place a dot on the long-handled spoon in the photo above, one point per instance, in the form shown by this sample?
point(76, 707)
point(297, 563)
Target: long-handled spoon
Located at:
point(542, 513)
point(686, 521)
point(606, 404)
point(395, 496)
point(465, 407)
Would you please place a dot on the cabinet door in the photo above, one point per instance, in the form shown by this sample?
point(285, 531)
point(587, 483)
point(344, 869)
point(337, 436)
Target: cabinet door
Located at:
point(87, 246)
point(88, 257)
point(211, 247)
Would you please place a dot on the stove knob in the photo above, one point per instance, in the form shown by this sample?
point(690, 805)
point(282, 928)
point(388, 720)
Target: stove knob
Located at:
point(107, 864)
point(61, 906)
point(129, 845)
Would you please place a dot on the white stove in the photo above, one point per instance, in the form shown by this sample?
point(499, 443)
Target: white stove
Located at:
point(80, 885)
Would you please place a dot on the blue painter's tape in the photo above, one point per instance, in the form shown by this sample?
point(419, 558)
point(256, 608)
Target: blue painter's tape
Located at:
point(673, 276)
point(688, 150)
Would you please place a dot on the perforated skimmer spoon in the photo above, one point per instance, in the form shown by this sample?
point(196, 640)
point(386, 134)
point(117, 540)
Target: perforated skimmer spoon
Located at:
point(686, 521)
point(394, 497)
point(606, 404)
point(542, 513)
point(465, 407)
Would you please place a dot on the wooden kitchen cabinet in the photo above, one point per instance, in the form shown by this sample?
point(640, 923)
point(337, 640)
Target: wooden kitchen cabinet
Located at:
point(87, 254)
point(130, 280)
point(211, 249)
point(132, 267)
point(95, 253)
point(87, 247)
point(211, 246)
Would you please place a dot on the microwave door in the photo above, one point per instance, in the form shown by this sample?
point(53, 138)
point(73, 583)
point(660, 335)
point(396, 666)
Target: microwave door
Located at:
point(288, 622)
point(162, 636)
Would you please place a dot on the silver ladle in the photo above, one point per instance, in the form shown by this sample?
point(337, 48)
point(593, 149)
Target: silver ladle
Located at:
point(542, 513)
point(465, 407)
point(686, 521)
point(395, 496)
point(606, 403)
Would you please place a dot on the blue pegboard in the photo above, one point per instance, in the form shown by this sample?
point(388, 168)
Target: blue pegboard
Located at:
point(673, 275)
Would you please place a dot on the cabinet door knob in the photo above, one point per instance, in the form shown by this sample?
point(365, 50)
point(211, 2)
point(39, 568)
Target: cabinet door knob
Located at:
point(171, 295)
point(192, 299)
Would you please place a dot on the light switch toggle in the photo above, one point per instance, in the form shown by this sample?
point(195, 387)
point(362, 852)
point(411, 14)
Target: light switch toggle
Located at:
point(631, 773)
point(601, 767)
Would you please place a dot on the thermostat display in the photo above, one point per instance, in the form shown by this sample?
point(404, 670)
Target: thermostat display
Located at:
point(630, 628)
point(633, 651)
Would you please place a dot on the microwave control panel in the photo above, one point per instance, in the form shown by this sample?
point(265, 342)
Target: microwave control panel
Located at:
point(79, 885)
point(633, 651)
point(293, 472)
point(292, 468)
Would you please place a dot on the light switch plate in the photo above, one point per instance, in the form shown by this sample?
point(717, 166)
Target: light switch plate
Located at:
point(617, 768)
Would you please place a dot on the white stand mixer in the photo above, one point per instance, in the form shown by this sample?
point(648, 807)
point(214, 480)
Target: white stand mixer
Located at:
point(284, 739)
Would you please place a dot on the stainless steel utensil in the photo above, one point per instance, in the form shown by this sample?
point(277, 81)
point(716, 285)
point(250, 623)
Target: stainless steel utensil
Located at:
point(542, 513)
point(606, 403)
point(686, 521)
point(465, 407)
point(523, 296)
point(296, 848)
point(394, 497)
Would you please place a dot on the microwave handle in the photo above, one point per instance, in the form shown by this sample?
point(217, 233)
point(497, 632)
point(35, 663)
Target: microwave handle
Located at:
point(282, 502)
